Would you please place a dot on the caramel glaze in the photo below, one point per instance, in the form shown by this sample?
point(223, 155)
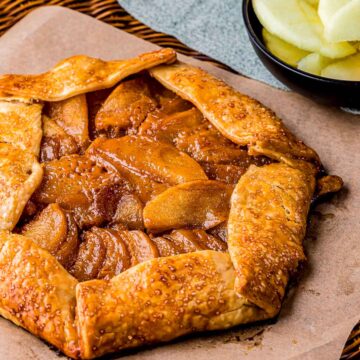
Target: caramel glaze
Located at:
point(88, 210)
point(106, 252)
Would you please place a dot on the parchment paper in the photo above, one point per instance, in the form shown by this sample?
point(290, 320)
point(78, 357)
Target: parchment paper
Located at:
point(321, 310)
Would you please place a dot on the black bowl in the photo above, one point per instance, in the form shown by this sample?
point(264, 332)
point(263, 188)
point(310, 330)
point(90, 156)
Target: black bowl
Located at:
point(323, 90)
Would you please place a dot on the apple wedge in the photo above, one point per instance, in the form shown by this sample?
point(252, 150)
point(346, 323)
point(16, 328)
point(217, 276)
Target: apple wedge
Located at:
point(298, 23)
point(347, 69)
point(286, 52)
point(200, 204)
point(313, 63)
point(344, 25)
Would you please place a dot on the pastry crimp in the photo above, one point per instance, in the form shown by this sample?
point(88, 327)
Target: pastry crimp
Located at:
point(160, 300)
point(147, 200)
point(237, 116)
point(37, 293)
point(266, 226)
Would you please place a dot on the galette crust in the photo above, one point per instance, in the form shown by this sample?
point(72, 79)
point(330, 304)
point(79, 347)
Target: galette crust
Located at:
point(160, 300)
point(80, 74)
point(237, 116)
point(266, 226)
point(37, 293)
point(25, 130)
point(20, 175)
point(167, 297)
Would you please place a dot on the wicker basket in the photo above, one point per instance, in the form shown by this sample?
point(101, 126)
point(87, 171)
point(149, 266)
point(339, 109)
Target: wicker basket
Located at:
point(112, 13)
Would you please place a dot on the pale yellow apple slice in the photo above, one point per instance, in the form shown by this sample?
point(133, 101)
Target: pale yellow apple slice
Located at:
point(345, 23)
point(313, 2)
point(298, 23)
point(347, 69)
point(328, 8)
point(282, 49)
point(313, 63)
point(328, 49)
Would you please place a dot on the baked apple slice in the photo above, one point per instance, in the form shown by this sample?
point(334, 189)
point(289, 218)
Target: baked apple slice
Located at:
point(191, 133)
point(89, 191)
point(209, 241)
point(196, 204)
point(72, 115)
point(159, 161)
point(148, 165)
point(129, 212)
point(165, 246)
point(55, 231)
point(102, 255)
point(185, 240)
point(139, 245)
point(55, 142)
point(125, 108)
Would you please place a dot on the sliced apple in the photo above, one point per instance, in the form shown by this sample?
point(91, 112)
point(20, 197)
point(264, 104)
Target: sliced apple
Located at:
point(282, 49)
point(185, 240)
point(344, 25)
point(347, 69)
point(328, 8)
point(129, 212)
point(72, 115)
point(139, 245)
point(313, 63)
point(199, 204)
point(55, 142)
point(298, 23)
point(165, 246)
point(159, 161)
point(313, 2)
point(102, 255)
point(49, 229)
point(55, 231)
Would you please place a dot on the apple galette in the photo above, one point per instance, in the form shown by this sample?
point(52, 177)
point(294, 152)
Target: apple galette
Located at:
point(144, 199)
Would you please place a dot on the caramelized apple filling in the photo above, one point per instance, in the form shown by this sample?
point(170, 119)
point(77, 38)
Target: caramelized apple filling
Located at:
point(155, 181)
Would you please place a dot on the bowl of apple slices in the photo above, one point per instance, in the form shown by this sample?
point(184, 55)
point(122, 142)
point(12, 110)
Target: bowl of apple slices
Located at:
point(312, 46)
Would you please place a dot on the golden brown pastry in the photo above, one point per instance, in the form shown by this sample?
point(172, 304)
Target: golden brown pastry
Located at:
point(177, 203)
point(37, 293)
point(266, 226)
point(238, 117)
point(80, 74)
point(25, 130)
point(20, 175)
point(173, 296)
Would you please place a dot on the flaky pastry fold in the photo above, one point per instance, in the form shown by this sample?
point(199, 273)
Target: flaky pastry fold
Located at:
point(25, 131)
point(266, 226)
point(160, 300)
point(238, 117)
point(20, 175)
point(37, 293)
point(80, 74)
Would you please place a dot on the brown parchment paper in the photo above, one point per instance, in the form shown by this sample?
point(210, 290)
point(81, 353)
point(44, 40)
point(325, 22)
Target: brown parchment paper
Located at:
point(321, 310)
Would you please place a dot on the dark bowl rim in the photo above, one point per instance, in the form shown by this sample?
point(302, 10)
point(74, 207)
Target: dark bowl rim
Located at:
point(259, 43)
